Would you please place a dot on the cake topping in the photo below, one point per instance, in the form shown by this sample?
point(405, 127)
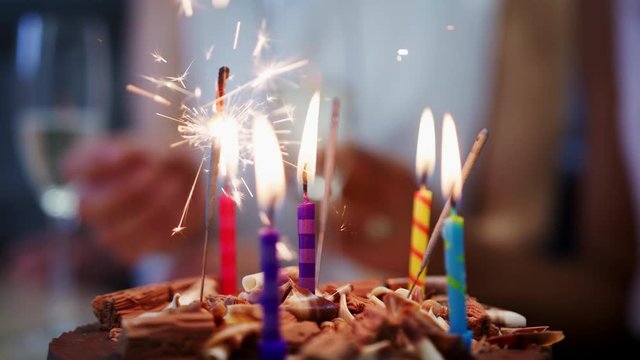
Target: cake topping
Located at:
point(506, 318)
point(306, 306)
point(255, 281)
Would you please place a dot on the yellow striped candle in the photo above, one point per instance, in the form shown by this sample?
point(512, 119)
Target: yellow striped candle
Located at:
point(419, 233)
point(425, 162)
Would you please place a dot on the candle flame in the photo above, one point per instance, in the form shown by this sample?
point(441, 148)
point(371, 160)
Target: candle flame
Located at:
point(451, 172)
point(309, 143)
point(426, 149)
point(229, 148)
point(269, 170)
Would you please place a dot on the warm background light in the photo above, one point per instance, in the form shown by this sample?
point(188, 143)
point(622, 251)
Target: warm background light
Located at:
point(451, 172)
point(426, 149)
point(270, 185)
point(309, 143)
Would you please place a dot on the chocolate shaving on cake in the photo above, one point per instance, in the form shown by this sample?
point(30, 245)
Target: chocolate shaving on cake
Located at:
point(114, 334)
point(479, 321)
point(217, 305)
point(357, 304)
point(111, 308)
point(436, 308)
point(333, 294)
point(297, 333)
point(525, 340)
point(329, 346)
point(368, 324)
point(306, 306)
point(173, 332)
point(360, 287)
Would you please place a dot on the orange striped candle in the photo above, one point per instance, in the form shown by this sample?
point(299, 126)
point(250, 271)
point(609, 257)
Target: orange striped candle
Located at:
point(425, 162)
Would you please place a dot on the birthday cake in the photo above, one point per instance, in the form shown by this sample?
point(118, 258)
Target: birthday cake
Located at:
point(362, 319)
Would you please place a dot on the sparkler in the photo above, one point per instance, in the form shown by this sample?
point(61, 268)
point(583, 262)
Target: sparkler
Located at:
point(329, 166)
point(214, 159)
point(200, 126)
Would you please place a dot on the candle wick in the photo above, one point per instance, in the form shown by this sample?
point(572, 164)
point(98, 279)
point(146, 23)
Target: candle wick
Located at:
point(271, 213)
point(305, 183)
point(424, 181)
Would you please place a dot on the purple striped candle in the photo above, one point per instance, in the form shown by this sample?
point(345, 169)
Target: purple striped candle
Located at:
point(271, 344)
point(307, 245)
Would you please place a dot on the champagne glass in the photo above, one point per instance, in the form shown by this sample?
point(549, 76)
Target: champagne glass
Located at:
point(63, 82)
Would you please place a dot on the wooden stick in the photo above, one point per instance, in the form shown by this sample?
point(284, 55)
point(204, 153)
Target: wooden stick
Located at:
point(329, 166)
point(214, 159)
point(481, 139)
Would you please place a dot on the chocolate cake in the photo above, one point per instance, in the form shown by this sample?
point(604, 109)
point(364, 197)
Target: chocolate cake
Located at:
point(362, 319)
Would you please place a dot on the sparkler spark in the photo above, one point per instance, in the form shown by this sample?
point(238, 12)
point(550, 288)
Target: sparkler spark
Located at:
point(263, 40)
point(235, 39)
point(199, 124)
point(208, 53)
point(157, 57)
point(187, 7)
point(180, 226)
point(181, 78)
point(155, 97)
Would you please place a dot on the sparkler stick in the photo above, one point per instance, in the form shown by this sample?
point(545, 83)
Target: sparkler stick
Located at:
point(214, 159)
point(329, 166)
point(481, 139)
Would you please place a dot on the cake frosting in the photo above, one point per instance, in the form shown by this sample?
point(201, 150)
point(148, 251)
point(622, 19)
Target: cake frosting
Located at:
point(364, 319)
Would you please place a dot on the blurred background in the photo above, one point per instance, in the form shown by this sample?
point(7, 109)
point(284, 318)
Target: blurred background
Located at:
point(90, 188)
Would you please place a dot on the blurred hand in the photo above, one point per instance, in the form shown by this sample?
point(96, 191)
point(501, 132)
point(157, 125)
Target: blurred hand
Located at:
point(371, 222)
point(132, 198)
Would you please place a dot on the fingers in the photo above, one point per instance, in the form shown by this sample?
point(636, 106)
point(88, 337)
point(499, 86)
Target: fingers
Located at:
point(147, 226)
point(101, 160)
point(107, 202)
point(130, 197)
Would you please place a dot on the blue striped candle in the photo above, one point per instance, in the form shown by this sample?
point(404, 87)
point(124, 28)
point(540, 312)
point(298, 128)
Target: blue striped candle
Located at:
point(307, 245)
point(272, 347)
point(453, 234)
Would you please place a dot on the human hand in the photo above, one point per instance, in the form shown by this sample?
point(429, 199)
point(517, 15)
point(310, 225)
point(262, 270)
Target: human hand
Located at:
point(132, 198)
point(371, 222)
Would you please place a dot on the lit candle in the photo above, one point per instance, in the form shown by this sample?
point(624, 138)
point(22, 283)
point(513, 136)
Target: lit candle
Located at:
point(228, 167)
point(453, 232)
point(425, 162)
point(307, 209)
point(270, 190)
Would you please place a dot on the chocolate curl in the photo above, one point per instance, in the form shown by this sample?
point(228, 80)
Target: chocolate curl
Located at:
point(179, 332)
point(111, 308)
point(525, 340)
point(230, 338)
point(256, 281)
point(335, 296)
point(306, 306)
point(506, 318)
point(343, 311)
